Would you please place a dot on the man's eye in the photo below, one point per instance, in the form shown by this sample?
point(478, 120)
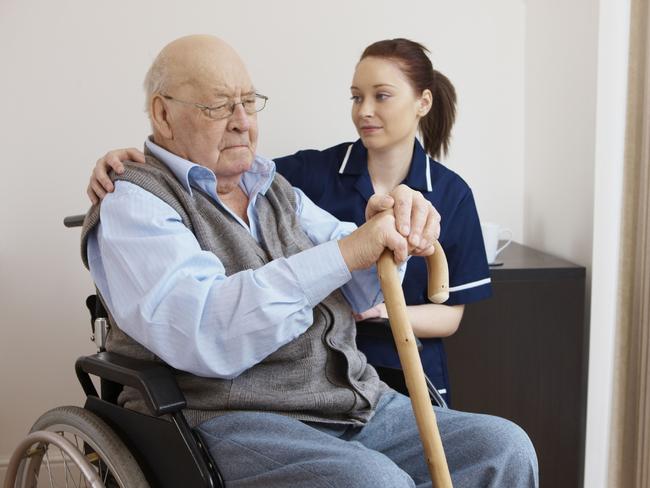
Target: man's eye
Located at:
point(249, 101)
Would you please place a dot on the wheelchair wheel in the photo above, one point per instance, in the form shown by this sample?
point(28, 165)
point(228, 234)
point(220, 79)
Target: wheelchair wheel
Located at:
point(85, 452)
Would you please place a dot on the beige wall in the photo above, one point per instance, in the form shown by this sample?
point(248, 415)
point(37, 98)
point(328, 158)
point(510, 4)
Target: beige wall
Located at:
point(71, 88)
point(560, 107)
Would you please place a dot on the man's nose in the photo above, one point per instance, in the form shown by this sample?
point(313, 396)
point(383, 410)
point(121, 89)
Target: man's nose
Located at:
point(239, 119)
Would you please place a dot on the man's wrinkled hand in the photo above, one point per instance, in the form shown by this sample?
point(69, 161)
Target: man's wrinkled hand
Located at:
point(415, 217)
point(362, 248)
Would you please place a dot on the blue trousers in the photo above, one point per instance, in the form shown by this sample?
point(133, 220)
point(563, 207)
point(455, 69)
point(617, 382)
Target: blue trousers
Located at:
point(268, 450)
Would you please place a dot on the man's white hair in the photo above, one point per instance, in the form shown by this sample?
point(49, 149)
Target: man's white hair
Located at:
point(156, 80)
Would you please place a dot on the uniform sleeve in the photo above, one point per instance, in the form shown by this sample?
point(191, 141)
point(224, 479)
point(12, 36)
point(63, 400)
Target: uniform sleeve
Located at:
point(469, 273)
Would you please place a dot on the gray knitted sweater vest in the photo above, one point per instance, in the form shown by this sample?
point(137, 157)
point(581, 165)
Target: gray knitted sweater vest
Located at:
point(319, 376)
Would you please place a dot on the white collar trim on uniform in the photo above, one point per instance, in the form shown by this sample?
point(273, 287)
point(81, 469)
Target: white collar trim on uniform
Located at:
point(345, 159)
point(428, 173)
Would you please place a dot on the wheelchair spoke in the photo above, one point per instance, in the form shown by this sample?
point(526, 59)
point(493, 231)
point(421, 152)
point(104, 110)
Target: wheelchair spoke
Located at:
point(80, 449)
point(65, 466)
point(105, 476)
point(67, 470)
point(49, 468)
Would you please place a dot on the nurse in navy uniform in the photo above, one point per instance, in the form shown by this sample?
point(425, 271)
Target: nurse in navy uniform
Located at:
point(395, 95)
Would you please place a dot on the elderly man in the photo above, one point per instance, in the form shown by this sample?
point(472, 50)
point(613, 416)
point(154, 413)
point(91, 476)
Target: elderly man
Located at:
point(212, 263)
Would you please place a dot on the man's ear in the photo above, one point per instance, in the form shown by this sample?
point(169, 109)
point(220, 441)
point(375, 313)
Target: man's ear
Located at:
point(160, 117)
point(426, 100)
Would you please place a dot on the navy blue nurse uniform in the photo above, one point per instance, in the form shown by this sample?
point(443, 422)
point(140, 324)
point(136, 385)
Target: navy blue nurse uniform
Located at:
point(337, 180)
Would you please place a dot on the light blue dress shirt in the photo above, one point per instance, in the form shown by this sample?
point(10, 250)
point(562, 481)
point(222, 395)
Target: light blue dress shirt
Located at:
point(168, 294)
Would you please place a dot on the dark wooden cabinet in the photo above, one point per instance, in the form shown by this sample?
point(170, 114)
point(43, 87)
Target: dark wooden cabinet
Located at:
point(522, 355)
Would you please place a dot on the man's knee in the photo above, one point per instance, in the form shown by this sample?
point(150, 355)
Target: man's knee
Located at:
point(370, 472)
point(508, 452)
point(483, 450)
point(512, 439)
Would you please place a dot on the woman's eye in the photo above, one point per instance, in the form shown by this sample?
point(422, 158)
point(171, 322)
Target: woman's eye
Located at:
point(355, 99)
point(382, 96)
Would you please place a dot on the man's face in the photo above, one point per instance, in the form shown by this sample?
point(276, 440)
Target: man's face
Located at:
point(226, 146)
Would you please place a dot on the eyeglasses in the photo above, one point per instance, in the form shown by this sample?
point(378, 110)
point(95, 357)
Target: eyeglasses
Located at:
point(252, 103)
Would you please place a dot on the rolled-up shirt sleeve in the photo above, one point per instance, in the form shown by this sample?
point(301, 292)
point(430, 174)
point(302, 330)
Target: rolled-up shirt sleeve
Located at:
point(175, 299)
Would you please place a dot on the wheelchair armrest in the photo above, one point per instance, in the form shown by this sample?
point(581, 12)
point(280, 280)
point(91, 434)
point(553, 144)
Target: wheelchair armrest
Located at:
point(153, 380)
point(379, 328)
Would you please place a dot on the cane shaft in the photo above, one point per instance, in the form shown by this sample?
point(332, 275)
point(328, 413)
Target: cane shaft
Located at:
point(413, 372)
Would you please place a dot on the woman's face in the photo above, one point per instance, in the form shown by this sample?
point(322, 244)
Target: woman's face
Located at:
point(385, 109)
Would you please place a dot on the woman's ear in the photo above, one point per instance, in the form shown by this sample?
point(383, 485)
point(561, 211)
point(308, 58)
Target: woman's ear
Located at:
point(160, 117)
point(425, 101)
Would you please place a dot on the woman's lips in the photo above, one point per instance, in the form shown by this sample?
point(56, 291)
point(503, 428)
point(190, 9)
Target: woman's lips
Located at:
point(370, 129)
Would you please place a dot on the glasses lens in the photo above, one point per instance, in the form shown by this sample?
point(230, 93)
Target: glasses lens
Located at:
point(251, 104)
point(221, 111)
point(260, 102)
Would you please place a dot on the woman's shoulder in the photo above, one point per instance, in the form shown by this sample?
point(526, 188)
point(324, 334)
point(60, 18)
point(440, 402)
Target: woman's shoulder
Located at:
point(311, 163)
point(315, 156)
point(448, 181)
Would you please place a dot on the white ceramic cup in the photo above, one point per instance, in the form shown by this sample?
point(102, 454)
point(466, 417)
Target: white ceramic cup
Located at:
point(492, 233)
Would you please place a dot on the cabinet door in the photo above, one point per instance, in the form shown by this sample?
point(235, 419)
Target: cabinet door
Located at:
point(522, 355)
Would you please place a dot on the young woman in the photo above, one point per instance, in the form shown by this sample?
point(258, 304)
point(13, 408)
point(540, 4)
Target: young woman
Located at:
point(395, 93)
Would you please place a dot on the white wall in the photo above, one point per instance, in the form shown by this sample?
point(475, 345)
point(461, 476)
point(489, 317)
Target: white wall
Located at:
point(560, 100)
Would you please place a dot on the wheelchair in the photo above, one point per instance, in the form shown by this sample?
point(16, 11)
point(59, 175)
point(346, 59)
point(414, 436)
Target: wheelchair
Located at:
point(106, 445)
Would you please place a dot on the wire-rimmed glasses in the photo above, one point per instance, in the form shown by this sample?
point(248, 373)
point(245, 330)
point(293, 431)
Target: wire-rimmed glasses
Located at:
point(252, 103)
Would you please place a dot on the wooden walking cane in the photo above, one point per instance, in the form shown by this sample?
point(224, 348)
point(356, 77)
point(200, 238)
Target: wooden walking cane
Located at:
point(410, 358)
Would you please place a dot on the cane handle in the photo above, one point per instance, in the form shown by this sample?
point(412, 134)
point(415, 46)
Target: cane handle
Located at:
point(438, 273)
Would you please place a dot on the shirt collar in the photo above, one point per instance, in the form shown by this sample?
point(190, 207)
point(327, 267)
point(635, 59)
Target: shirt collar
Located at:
point(355, 162)
point(258, 179)
point(419, 175)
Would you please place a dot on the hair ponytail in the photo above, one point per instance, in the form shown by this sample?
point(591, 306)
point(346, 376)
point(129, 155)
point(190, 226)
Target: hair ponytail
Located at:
point(414, 62)
point(436, 125)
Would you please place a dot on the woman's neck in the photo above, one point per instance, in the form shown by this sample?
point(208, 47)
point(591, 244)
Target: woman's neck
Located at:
point(389, 167)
